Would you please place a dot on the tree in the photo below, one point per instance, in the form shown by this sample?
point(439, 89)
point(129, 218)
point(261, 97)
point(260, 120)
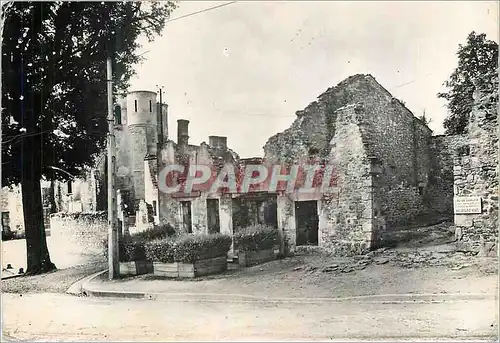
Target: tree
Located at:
point(477, 67)
point(54, 92)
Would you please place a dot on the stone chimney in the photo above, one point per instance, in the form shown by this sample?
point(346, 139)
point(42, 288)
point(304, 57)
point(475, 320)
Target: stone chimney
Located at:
point(183, 132)
point(217, 142)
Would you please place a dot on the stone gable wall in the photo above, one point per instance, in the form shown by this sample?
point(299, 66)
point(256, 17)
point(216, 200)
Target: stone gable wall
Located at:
point(389, 131)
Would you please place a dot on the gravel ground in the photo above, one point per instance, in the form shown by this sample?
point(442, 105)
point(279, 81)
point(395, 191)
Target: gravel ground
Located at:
point(383, 272)
point(60, 317)
point(54, 282)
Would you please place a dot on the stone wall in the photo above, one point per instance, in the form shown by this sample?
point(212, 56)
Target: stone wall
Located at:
point(399, 141)
point(314, 126)
point(83, 231)
point(476, 174)
point(358, 126)
point(151, 187)
point(439, 191)
point(170, 211)
point(12, 203)
point(389, 132)
point(139, 150)
point(286, 224)
point(348, 213)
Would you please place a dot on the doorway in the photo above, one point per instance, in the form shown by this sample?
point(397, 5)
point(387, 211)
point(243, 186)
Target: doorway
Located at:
point(306, 217)
point(213, 216)
point(186, 216)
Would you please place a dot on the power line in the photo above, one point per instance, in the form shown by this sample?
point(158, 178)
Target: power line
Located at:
point(201, 11)
point(407, 83)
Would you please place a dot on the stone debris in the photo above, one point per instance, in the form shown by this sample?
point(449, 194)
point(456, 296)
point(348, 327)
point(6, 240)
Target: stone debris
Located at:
point(381, 260)
point(404, 259)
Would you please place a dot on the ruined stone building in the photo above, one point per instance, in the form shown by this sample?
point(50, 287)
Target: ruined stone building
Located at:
point(391, 171)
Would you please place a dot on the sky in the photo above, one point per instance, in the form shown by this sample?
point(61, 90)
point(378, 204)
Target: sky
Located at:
point(244, 69)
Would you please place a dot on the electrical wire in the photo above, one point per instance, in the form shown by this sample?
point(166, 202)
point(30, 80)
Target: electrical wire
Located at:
point(201, 11)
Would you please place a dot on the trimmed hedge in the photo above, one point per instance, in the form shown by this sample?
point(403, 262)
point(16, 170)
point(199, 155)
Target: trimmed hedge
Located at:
point(132, 251)
point(157, 232)
point(132, 248)
point(160, 250)
point(191, 248)
point(255, 238)
point(128, 250)
point(188, 248)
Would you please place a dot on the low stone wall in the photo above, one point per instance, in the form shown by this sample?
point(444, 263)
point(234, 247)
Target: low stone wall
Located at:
point(83, 231)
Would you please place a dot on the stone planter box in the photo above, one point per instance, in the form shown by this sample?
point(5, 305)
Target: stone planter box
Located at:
point(135, 268)
point(202, 267)
point(166, 269)
point(251, 258)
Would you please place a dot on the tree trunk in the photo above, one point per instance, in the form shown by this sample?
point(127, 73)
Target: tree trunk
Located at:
point(38, 258)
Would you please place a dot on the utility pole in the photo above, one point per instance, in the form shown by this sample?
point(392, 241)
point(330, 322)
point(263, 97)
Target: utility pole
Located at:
point(159, 163)
point(160, 120)
point(113, 264)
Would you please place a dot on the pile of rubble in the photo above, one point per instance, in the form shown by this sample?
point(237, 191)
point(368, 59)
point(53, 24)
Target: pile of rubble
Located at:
point(404, 258)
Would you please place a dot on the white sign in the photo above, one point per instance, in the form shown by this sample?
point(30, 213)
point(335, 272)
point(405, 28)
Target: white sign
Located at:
point(467, 205)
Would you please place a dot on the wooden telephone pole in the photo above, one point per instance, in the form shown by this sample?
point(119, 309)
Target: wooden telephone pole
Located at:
point(113, 264)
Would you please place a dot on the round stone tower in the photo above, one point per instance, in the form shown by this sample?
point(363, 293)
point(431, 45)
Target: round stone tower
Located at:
point(142, 125)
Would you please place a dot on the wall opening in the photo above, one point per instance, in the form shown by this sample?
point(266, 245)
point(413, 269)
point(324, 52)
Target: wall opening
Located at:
point(118, 115)
point(70, 188)
point(150, 106)
point(154, 208)
point(254, 210)
point(186, 216)
point(306, 217)
point(213, 220)
point(135, 105)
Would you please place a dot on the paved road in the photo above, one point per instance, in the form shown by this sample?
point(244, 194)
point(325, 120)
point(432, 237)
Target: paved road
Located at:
point(63, 317)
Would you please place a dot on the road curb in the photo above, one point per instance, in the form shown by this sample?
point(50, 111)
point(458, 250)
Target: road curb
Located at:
point(86, 289)
point(78, 287)
point(12, 276)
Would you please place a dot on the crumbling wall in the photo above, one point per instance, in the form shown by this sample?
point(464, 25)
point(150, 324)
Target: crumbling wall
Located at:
point(439, 192)
point(170, 204)
point(286, 224)
point(399, 141)
point(348, 212)
point(389, 131)
point(476, 174)
point(315, 125)
point(138, 146)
